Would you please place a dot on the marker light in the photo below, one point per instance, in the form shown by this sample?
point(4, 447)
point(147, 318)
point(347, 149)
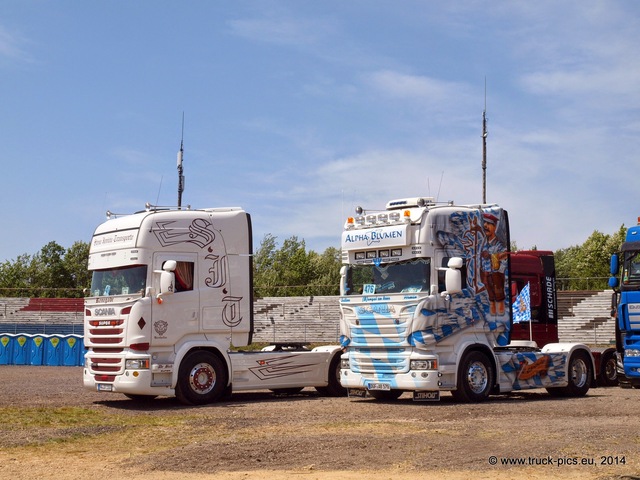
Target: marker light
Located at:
point(407, 216)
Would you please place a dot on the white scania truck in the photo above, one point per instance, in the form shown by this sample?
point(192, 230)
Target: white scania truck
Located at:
point(171, 293)
point(426, 305)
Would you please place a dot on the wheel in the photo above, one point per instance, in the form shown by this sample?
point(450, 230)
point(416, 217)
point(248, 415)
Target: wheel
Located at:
point(608, 372)
point(202, 378)
point(385, 394)
point(580, 374)
point(334, 388)
point(475, 378)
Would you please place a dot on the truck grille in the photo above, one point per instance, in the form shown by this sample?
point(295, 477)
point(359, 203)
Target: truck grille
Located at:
point(390, 360)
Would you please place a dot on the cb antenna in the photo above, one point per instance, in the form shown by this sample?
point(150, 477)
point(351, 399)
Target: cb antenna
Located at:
point(180, 175)
point(484, 145)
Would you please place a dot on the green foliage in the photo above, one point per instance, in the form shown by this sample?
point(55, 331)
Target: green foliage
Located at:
point(586, 266)
point(52, 272)
point(292, 271)
point(289, 270)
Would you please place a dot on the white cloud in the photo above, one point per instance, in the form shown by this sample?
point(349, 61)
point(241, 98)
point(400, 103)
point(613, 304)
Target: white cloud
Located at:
point(12, 46)
point(418, 87)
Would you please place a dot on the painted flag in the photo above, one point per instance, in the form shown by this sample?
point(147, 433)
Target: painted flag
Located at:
point(522, 306)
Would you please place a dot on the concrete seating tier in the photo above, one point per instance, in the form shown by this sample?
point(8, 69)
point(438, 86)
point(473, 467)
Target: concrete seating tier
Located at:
point(584, 317)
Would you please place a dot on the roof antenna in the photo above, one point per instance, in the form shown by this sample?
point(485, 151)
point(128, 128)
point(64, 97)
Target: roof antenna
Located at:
point(484, 145)
point(180, 175)
point(440, 185)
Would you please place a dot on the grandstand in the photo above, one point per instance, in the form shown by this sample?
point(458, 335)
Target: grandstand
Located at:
point(584, 317)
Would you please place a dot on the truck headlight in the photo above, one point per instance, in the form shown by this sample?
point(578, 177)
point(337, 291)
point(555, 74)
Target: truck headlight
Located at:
point(632, 352)
point(137, 364)
point(423, 364)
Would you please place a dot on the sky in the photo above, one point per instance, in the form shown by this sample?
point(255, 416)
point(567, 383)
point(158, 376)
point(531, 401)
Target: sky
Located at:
point(300, 110)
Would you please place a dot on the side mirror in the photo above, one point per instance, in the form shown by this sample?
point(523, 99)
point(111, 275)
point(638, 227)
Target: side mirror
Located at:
point(614, 265)
point(167, 279)
point(613, 269)
point(453, 276)
point(343, 280)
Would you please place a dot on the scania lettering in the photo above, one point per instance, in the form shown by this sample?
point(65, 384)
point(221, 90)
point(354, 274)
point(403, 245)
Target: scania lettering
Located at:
point(178, 284)
point(431, 311)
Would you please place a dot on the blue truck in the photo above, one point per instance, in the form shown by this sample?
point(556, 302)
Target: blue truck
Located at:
point(625, 281)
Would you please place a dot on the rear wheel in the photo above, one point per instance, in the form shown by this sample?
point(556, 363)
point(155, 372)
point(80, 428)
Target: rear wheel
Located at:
point(608, 372)
point(334, 388)
point(475, 378)
point(202, 378)
point(579, 376)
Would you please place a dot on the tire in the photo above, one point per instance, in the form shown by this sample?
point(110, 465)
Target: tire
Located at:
point(388, 395)
point(202, 378)
point(579, 373)
point(475, 378)
point(608, 370)
point(334, 388)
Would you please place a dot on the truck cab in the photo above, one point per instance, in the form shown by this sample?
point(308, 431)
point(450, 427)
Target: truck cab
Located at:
point(426, 308)
point(625, 280)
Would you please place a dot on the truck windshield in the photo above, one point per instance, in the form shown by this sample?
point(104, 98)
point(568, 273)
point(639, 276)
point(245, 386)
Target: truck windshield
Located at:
point(410, 276)
point(631, 270)
point(119, 281)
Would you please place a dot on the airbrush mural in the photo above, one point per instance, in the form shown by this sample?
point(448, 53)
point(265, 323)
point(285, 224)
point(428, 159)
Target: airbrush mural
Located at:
point(480, 238)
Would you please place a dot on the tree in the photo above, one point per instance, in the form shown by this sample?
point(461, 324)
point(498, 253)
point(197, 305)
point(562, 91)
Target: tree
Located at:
point(326, 271)
point(15, 278)
point(586, 266)
point(52, 272)
point(291, 270)
point(75, 262)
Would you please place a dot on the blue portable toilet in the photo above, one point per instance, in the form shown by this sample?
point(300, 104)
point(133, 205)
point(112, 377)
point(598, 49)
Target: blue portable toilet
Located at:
point(36, 356)
point(53, 351)
point(21, 350)
point(72, 347)
point(6, 349)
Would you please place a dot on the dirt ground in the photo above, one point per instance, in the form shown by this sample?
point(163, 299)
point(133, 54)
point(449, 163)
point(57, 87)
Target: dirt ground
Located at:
point(52, 428)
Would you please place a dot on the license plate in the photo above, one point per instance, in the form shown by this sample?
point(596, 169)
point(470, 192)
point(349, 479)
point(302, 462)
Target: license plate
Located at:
point(426, 396)
point(379, 386)
point(105, 387)
point(356, 392)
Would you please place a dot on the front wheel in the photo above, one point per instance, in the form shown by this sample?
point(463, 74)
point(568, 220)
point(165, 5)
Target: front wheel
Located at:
point(202, 378)
point(475, 378)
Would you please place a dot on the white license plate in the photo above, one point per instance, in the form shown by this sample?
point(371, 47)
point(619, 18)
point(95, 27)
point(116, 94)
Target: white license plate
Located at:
point(379, 386)
point(426, 396)
point(105, 387)
point(356, 392)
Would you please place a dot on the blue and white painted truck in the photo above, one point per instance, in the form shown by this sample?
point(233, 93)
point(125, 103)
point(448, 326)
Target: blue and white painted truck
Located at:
point(625, 280)
point(426, 308)
point(171, 293)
